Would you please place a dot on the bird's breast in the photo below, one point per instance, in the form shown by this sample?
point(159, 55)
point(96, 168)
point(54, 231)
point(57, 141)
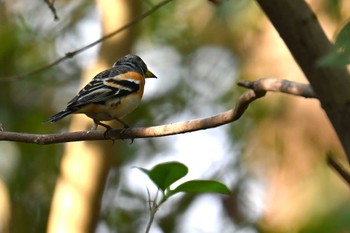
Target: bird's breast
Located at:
point(116, 108)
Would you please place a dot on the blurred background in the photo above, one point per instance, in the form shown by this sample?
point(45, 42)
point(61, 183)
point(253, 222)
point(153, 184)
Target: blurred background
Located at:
point(273, 158)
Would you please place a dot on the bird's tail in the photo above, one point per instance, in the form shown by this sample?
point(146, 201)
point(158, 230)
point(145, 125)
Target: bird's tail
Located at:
point(59, 116)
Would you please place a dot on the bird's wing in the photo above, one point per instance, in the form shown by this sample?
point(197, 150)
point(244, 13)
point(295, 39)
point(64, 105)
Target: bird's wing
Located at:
point(105, 86)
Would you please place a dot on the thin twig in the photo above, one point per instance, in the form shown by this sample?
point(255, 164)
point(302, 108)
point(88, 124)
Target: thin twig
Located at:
point(338, 168)
point(75, 52)
point(153, 208)
point(51, 5)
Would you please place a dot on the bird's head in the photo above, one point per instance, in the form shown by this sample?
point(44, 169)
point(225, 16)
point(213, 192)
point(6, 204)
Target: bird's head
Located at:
point(136, 63)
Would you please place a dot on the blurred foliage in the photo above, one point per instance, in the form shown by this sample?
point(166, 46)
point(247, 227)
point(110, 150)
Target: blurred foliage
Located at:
point(28, 42)
point(202, 66)
point(332, 8)
point(334, 221)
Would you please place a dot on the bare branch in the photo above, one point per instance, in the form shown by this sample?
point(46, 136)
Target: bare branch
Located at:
point(338, 168)
point(44, 139)
point(131, 133)
point(75, 52)
point(51, 5)
point(259, 89)
point(280, 85)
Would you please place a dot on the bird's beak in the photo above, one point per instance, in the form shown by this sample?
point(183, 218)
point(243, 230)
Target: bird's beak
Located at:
point(149, 74)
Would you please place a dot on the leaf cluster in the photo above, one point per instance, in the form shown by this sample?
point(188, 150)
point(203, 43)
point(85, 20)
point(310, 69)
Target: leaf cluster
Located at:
point(166, 174)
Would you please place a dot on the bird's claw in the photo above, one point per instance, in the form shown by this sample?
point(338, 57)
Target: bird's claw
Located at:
point(122, 131)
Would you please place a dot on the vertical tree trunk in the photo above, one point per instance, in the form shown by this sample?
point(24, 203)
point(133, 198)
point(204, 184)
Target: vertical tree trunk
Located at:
point(85, 165)
point(307, 42)
point(286, 149)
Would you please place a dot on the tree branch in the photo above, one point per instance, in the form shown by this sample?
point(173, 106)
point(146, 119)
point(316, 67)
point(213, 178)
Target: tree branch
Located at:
point(332, 162)
point(76, 52)
point(300, 30)
point(258, 90)
point(280, 85)
point(51, 5)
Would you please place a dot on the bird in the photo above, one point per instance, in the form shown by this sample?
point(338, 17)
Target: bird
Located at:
point(111, 94)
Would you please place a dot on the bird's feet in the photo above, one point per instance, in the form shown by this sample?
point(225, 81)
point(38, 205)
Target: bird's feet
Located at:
point(126, 126)
point(108, 128)
point(106, 134)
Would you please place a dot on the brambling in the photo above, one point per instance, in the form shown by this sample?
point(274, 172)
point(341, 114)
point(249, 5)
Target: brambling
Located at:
point(111, 94)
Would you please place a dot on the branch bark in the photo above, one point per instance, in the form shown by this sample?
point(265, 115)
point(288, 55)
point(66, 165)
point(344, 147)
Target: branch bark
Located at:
point(257, 90)
point(303, 35)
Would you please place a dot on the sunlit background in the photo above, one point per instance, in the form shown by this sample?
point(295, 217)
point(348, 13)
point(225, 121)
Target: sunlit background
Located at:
point(273, 158)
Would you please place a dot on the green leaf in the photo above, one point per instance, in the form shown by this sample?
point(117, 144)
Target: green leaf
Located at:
point(342, 39)
point(339, 56)
point(165, 174)
point(143, 170)
point(335, 59)
point(202, 186)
